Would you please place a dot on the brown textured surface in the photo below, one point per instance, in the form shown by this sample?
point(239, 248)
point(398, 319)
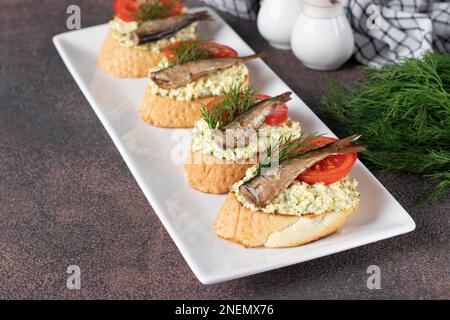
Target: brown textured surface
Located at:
point(66, 196)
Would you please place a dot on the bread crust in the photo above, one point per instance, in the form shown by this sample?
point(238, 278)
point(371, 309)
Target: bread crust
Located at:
point(125, 62)
point(254, 229)
point(167, 112)
point(209, 174)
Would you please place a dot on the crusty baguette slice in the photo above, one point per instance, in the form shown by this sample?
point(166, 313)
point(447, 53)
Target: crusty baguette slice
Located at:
point(125, 62)
point(166, 112)
point(209, 174)
point(253, 229)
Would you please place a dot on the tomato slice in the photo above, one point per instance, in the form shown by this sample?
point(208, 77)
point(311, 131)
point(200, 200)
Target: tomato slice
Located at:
point(210, 107)
point(216, 50)
point(278, 116)
point(128, 10)
point(331, 169)
point(173, 7)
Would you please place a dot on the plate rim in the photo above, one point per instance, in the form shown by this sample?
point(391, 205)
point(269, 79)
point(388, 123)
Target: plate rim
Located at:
point(207, 277)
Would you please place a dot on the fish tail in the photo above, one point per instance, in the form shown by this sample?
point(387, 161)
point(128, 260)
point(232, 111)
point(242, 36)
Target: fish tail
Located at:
point(346, 145)
point(284, 97)
point(352, 149)
point(251, 57)
point(202, 15)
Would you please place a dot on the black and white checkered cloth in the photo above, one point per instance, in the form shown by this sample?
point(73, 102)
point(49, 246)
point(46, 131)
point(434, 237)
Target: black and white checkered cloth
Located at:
point(385, 30)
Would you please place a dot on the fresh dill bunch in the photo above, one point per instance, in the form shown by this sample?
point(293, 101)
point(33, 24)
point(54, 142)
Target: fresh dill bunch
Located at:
point(441, 186)
point(151, 9)
point(403, 114)
point(286, 148)
point(189, 51)
point(231, 103)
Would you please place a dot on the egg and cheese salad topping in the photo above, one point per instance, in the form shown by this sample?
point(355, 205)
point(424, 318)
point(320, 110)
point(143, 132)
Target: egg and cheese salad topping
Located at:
point(121, 31)
point(204, 140)
point(210, 85)
point(301, 198)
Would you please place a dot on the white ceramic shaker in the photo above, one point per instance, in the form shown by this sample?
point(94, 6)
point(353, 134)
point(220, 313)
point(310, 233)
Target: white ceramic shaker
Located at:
point(276, 18)
point(322, 37)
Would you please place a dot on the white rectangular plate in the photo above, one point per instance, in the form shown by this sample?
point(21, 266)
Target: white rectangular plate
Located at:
point(189, 215)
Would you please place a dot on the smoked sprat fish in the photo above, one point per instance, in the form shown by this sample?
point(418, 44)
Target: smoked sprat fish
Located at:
point(263, 189)
point(157, 29)
point(246, 124)
point(255, 116)
point(181, 74)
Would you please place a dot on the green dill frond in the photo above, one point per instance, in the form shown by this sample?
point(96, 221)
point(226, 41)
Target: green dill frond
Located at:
point(151, 9)
point(190, 51)
point(403, 114)
point(443, 184)
point(286, 148)
point(230, 103)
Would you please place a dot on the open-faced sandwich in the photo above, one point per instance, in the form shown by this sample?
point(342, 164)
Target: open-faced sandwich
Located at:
point(304, 196)
point(192, 73)
point(140, 30)
point(234, 131)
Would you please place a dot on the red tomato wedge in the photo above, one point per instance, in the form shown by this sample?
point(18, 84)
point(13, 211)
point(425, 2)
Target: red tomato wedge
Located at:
point(128, 10)
point(210, 106)
point(331, 169)
point(278, 116)
point(173, 7)
point(216, 50)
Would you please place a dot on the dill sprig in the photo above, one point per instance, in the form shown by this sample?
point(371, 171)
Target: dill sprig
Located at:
point(403, 114)
point(231, 103)
point(189, 51)
point(151, 9)
point(286, 148)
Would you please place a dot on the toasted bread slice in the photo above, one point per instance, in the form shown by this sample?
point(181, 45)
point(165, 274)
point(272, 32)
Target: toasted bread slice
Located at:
point(166, 112)
point(209, 174)
point(125, 62)
point(254, 229)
